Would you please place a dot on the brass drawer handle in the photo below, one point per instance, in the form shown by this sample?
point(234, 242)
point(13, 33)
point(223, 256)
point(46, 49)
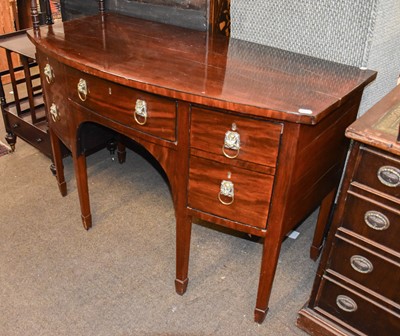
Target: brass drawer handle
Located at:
point(55, 115)
point(231, 141)
point(361, 264)
point(376, 220)
point(48, 73)
point(226, 190)
point(82, 89)
point(141, 111)
point(389, 176)
point(345, 303)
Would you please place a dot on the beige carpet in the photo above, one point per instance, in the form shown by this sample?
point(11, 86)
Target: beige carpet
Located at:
point(118, 278)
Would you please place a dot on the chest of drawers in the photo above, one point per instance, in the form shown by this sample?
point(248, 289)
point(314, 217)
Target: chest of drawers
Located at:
point(357, 288)
point(249, 137)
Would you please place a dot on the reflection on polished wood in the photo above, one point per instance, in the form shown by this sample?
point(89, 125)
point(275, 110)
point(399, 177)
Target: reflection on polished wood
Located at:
point(290, 110)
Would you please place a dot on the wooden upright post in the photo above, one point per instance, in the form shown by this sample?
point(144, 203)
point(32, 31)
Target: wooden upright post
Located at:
point(101, 6)
point(35, 16)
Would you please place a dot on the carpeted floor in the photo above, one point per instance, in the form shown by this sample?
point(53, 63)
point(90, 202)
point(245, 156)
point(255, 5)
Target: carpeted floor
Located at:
point(118, 278)
point(4, 149)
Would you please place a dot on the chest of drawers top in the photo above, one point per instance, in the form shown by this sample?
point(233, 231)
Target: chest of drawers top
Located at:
point(204, 69)
point(380, 126)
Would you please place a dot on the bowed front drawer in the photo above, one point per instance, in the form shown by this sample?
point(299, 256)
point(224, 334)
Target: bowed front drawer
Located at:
point(144, 112)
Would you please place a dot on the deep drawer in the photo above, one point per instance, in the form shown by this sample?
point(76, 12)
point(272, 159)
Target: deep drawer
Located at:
point(251, 192)
point(352, 309)
point(372, 221)
point(368, 269)
point(258, 141)
point(125, 105)
point(379, 171)
point(56, 102)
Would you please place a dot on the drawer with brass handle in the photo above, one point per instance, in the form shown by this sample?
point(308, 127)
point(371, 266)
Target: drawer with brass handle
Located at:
point(372, 220)
point(148, 113)
point(234, 137)
point(355, 311)
point(369, 269)
point(229, 192)
point(53, 73)
point(380, 171)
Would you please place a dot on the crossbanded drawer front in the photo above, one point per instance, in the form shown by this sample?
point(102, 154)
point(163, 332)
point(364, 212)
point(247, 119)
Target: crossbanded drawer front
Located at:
point(235, 137)
point(229, 192)
point(356, 310)
point(375, 272)
point(148, 113)
point(372, 221)
point(379, 171)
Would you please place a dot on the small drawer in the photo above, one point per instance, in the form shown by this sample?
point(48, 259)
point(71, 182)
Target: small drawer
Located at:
point(151, 114)
point(380, 171)
point(235, 137)
point(368, 269)
point(53, 78)
point(229, 192)
point(372, 221)
point(356, 311)
point(36, 137)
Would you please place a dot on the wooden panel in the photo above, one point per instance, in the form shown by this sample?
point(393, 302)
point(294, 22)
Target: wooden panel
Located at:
point(6, 26)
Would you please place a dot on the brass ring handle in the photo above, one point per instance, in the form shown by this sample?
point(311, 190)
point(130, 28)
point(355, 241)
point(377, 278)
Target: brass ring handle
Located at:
point(55, 115)
point(230, 156)
point(231, 141)
point(82, 89)
point(227, 190)
point(140, 110)
point(48, 73)
point(226, 203)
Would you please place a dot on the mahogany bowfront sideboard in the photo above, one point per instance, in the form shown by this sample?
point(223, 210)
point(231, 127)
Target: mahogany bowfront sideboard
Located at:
point(250, 137)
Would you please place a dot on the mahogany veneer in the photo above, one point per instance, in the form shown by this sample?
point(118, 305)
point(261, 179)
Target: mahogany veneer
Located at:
point(289, 110)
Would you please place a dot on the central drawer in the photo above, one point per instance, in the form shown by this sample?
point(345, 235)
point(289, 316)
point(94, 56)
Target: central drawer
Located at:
point(148, 113)
point(251, 191)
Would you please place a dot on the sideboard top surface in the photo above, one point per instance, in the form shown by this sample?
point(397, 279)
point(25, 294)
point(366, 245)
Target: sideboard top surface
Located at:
point(199, 68)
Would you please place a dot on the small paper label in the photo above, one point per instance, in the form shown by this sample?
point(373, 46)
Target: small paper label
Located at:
point(293, 234)
point(305, 111)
